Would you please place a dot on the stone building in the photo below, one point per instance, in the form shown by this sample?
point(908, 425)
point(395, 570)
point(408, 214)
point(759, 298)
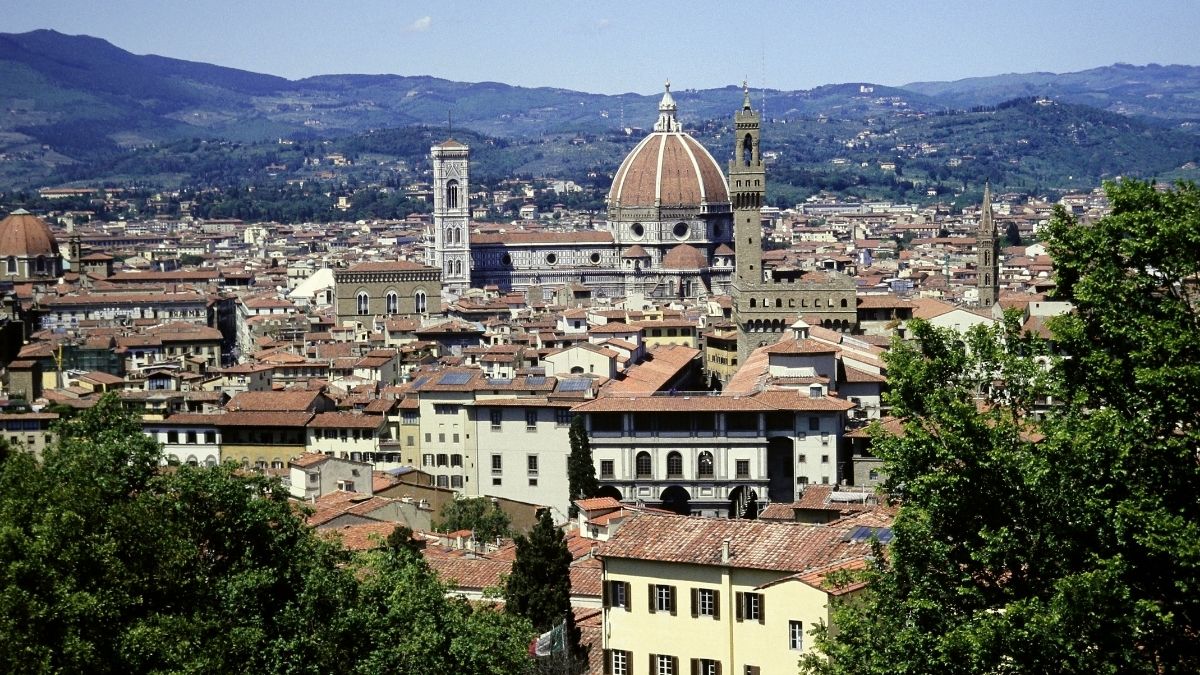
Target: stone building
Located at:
point(373, 290)
point(448, 245)
point(987, 245)
point(28, 249)
point(766, 303)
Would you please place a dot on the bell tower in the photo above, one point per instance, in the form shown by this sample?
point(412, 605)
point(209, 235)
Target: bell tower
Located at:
point(451, 250)
point(987, 246)
point(747, 184)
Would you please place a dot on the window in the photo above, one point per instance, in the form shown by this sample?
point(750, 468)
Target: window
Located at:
point(616, 594)
point(606, 468)
point(191, 437)
point(210, 437)
point(363, 302)
point(824, 438)
point(392, 302)
point(443, 481)
point(661, 664)
point(445, 409)
point(454, 438)
point(456, 482)
point(674, 465)
point(753, 670)
point(824, 459)
point(443, 459)
point(452, 194)
point(345, 485)
point(497, 464)
point(496, 480)
point(802, 459)
point(814, 423)
point(562, 417)
point(742, 467)
point(642, 465)
point(12, 265)
point(532, 482)
point(750, 607)
point(312, 478)
point(704, 464)
point(456, 460)
point(618, 662)
point(795, 636)
point(497, 416)
point(428, 437)
point(531, 462)
point(531, 418)
point(705, 602)
point(419, 301)
point(172, 436)
point(706, 667)
point(662, 598)
point(873, 474)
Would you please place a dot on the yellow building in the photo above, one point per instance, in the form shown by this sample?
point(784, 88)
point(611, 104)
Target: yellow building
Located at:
point(709, 596)
point(669, 332)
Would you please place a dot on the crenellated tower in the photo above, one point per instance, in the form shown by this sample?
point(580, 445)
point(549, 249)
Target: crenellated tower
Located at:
point(747, 185)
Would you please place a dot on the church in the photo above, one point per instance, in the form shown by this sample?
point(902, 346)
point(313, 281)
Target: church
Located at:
point(668, 233)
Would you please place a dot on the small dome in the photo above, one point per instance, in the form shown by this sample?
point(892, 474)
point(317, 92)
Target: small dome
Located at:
point(24, 235)
point(668, 168)
point(684, 257)
point(635, 251)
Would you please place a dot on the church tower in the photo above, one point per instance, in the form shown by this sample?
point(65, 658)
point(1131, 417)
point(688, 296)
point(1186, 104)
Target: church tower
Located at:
point(987, 245)
point(747, 184)
point(451, 249)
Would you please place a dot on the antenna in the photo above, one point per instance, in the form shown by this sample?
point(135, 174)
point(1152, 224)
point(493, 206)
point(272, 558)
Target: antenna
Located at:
point(449, 124)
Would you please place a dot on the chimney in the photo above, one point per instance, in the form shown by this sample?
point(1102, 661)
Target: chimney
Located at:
point(725, 550)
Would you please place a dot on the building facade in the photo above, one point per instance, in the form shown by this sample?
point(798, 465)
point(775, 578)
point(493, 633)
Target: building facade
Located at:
point(376, 290)
point(448, 245)
point(987, 245)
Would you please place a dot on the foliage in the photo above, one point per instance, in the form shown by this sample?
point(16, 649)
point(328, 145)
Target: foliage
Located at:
point(539, 587)
point(1065, 543)
point(581, 470)
point(109, 563)
point(478, 514)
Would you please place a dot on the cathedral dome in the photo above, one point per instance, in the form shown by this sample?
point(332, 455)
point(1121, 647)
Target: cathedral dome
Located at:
point(24, 235)
point(668, 168)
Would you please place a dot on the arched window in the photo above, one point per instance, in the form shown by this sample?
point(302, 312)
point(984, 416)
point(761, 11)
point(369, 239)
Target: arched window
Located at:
point(452, 194)
point(704, 464)
point(12, 264)
point(752, 302)
point(674, 464)
point(419, 298)
point(393, 302)
point(642, 465)
point(364, 302)
point(458, 267)
point(779, 302)
point(41, 264)
point(747, 149)
point(843, 302)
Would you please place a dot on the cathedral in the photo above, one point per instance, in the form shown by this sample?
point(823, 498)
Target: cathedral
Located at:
point(674, 223)
point(668, 234)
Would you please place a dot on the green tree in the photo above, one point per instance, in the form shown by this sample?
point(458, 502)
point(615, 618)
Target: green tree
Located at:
point(109, 563)
point(581, 470)
point(1013, 234)
point(539, 587)
point(1061, 543)
point(477, 514)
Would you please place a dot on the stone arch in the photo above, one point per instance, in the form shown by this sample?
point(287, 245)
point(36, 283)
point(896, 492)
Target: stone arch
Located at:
point(610, 491)
point(743, 502)
point(677, 500)
point(452, 194)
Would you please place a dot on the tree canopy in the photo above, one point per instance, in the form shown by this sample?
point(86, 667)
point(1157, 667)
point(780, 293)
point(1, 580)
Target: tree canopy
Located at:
point(477, 514)
point(539, 587)
point(1049, 519)
point(111, 563)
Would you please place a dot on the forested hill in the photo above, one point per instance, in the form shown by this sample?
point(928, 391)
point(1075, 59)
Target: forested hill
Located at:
point(79, 109)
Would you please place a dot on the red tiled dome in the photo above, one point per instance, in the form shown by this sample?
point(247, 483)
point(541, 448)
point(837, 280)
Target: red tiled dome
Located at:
point(684, 257)
point(24, 235)
point(668, 168)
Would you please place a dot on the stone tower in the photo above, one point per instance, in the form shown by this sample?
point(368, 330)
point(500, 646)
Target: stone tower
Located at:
point(988, 253)
point(451, 245)
point(747, 184)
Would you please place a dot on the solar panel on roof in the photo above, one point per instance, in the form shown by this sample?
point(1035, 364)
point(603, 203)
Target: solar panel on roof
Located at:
point(455, 378)
point(535, 380)
point(499, 381)
point(863, 533)
point(575, 384)
point(420, 381)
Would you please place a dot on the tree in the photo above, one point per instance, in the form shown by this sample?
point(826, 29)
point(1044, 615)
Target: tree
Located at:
point(581, 471)
point(1063, 542)
point(109, 563)
point(478, 514)
point(539, 587)
point(1013, 234)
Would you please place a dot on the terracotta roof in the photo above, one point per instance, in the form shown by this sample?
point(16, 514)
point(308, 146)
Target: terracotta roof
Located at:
point(656, 372)
point(391, 266)
point(23, 234)
point(803, 346)
point(597, 503)
point(525, 237)
point(308, 459)
point(668, 168)
point(472, 573)
point(755, 544)
point(261, 419)
point(684, 257)
point(346, 420)
point(274, 401)
point(362, 536)
point(635, 251)
point(723, 249)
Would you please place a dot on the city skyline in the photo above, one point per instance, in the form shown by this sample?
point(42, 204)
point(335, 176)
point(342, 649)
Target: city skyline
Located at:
point(622, 47)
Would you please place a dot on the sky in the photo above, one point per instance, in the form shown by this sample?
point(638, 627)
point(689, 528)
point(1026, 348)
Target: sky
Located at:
point(613, 46)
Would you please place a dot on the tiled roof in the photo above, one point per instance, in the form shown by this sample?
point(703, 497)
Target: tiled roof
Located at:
point(471, 573)
point(346, 420)
point(391, 266)
point(362, 536)
point(273, 401)
point(668, 168)
point(803, 346)
point(308, 459)
point(754, 544)
point(261, 419)
point(533, 238)
point(597, 503)
point(684, 257)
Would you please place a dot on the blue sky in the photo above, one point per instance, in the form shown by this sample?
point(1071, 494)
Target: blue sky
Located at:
point(616, 46)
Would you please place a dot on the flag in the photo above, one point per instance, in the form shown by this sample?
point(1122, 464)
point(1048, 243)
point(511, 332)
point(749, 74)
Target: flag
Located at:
point(553, 640)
